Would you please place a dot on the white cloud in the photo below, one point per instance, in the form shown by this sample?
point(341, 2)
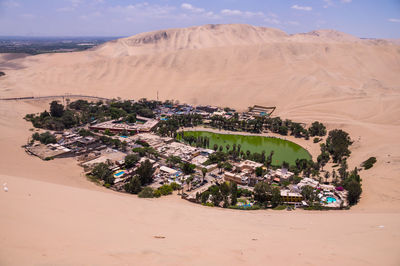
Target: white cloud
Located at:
point(65, 9)
point(346, 1)
point(328, 3)
point(76, 3)
point(192, 8)
point(396, 20)
point(133, 12)
point(27, 16)
point(10, 4)
point(92, 15)
point(294, 23)
point(235, 12)
point(231, 12)
point(272, 21)
point(304, 8)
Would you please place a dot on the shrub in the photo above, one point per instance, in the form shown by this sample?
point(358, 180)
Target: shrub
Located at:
point(280, 207)
point(147, 192)
point(175, 186)
point(367, 164)
point(316, 140)
point(165, 190)
point(157, 193)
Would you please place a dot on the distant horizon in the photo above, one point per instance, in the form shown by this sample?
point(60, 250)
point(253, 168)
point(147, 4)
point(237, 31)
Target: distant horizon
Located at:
point(364, 19)
point(125, 36)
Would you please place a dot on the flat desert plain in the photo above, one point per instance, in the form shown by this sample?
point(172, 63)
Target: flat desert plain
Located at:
point(52, 215)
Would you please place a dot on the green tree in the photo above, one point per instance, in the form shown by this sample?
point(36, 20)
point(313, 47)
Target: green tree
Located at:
point(216, 195)
point(308, 193)
point(234, 193)
point(204, 172)
point(188, 168)
point(101, 171)
point(275, 197)
point(56, 109)
point(205, 196)
point(173, 160)
point(354, 191)
point(131, 160)
point(261, 189)
point(225, 190)
point(317, 129)
point(338, 143)
point(259, 171)
point(134, 185)
point(68, 119)
point(145, 172)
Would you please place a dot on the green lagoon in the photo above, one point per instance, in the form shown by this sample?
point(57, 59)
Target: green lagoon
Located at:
point(284, 150)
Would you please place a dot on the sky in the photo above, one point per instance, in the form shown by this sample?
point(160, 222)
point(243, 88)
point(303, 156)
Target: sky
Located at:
point(362, 18)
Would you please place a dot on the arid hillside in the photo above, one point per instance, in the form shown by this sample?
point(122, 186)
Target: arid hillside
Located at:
point(215, 64)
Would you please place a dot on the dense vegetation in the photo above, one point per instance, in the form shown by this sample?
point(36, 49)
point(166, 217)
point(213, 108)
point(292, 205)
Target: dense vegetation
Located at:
point(44, 138)
point(81, 112)
point(102, 172)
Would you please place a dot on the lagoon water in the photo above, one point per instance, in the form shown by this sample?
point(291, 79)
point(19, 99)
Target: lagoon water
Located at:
point(284, 150)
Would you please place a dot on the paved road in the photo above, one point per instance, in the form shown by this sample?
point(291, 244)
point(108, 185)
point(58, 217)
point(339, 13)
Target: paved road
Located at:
point(53, 97)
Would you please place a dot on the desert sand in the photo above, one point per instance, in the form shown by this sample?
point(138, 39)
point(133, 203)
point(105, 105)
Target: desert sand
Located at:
point(53, 215)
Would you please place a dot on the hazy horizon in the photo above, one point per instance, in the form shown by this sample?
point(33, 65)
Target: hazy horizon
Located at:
point(84, 18)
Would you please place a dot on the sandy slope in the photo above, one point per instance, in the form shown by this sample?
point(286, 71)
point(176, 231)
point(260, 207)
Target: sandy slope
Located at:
point(53, 215)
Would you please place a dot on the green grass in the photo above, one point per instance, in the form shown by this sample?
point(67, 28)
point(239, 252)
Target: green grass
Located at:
point(284, 150)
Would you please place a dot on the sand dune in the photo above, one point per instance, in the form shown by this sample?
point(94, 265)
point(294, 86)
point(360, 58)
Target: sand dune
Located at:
point(51, 212)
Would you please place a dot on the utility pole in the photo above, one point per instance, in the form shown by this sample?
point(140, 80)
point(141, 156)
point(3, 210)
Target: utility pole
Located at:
point(157, 96)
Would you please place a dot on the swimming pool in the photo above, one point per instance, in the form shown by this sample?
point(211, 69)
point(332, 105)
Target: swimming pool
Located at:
point(330, 199)
point(119, 173)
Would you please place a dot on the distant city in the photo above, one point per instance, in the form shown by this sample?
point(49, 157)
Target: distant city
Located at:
point(40, 45)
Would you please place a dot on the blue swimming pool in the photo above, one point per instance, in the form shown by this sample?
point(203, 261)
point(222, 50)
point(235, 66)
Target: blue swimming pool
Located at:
point(330, 199)
point(119, 173)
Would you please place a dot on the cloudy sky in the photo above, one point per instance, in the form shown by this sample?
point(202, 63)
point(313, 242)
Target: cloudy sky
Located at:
point(363, 18)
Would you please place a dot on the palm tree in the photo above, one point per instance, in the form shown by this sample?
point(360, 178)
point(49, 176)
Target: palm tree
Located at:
point(215, 147)
point(239, 147)
point(327, 176)
point(189, 181)
point(227, 147)
point(220, 165)
point(204, 172)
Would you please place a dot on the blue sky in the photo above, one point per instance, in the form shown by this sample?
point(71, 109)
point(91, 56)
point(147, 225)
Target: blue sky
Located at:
point(362, 18)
